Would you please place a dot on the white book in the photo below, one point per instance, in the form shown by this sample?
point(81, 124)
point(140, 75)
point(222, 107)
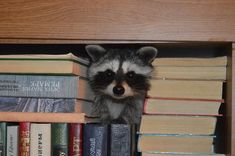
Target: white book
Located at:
point(12, 140)
point(40, 139)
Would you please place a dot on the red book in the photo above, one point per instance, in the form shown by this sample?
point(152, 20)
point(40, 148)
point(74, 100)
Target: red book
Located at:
point(75, 139)
point(24, 143)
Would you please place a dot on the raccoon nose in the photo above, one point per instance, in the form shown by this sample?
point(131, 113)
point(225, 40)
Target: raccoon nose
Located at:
point(118, 90)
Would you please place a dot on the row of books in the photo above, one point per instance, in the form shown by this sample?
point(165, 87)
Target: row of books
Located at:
point(181, 109)
point(46, 139)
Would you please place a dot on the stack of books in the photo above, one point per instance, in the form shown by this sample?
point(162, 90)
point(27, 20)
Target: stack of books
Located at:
point(44, 84)
point(182, 107)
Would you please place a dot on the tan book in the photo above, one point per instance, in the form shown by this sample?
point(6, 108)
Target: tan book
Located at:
point(43, 64)
point(175, 124)
point(175, 154)
point(190, 62)
point(193, 73)
point(40, 139)
point(176, 144)
point(42, 117)
point(186, 89)
point(182, 106)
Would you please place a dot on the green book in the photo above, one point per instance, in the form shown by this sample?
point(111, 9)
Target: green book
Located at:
point(59, 139)
point(3, 137)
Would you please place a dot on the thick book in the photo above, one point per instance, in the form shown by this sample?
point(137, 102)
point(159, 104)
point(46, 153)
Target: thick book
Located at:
point(40, 140)
point(181, 144)
point(75, 139)
point(24, 138)
point(3, 137)
point(191, 62)
point(12, 140)
point(43, 64)
point(175, 154)
point(59, 139)
point(175, 124)
point(120, 140)
point(182, 106)
point(46, 86)
point(189, 73)
point(47, 105)
point(186, 89)
point(95, 140)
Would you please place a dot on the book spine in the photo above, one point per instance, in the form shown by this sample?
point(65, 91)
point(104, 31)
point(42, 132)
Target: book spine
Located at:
point(3, 141)
point(12, 140)
point(39, 86)
point(75, 139)
point(59, 137)
point(120, 142)
point(95, 140)
point(40, 140)
point(24, 136)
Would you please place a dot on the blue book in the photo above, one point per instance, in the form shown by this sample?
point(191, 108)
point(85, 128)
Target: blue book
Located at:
point(95, 140)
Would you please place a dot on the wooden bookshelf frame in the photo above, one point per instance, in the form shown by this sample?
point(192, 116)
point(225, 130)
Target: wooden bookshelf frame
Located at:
point(121, 22)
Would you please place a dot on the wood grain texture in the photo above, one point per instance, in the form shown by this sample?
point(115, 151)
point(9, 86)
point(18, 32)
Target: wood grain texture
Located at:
point(162, 20)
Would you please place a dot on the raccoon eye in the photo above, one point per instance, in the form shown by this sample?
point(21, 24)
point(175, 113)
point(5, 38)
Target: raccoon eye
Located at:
point(109, 72)
point(130, 74)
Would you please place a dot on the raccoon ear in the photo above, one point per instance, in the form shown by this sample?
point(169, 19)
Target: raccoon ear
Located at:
point(147, 54)
point(95, 52)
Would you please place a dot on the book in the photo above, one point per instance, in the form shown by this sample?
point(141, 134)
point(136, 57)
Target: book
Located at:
point(191, 62)
point(120, 140)
point(12, 140)
point(24, 138)
point(3, 137)
point(59, 139)
point(43, 64)
point(95, 140)
point(180, 106)
point(186, 89)
point(181, 144)
point(175, 124)
point(47, 105)
point(75, 139)
point(189, 73)
point(40, 140)
point(175, 154)
point(45, 86)
point(42, 117)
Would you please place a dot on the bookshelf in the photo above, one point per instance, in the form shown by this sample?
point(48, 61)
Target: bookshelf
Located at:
point(203, 28)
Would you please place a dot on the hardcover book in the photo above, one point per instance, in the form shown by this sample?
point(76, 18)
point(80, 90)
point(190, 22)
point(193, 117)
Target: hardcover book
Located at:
point(175, 124)
point(75, 139)
point(177, 144)
point(95, 140)
point(59, 139)
point(120, 140)
point(190, 62)
point(24, 136)
point(40, 140)
point(43, 64)
point(186, 89)
point(3, 137)
point(175, 154)
point(44, 86)
point(179, 106)
point(12, 140)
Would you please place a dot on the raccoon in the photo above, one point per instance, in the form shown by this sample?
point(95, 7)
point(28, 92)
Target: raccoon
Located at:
point(120, 80)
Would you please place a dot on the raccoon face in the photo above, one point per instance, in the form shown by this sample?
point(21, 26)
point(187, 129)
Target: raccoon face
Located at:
point(120, 73)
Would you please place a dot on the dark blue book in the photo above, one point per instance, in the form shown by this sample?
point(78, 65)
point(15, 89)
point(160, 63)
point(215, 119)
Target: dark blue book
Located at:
point(95, 140)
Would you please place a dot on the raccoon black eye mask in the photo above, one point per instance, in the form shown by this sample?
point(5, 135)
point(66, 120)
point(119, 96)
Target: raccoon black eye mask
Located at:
point(120, 80)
